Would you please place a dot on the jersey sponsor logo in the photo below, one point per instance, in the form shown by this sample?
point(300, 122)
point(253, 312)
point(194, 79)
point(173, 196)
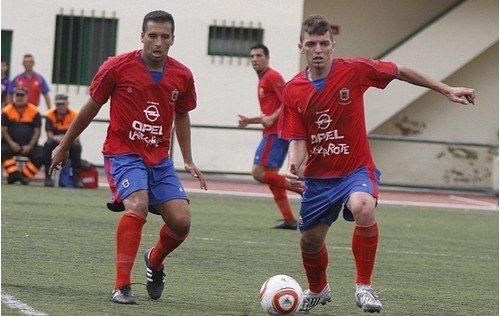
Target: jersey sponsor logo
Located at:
point(330, 135)
point(323, 121)
point(331, 149)
point(146, 132)
point(152, 113)
point(344, 96)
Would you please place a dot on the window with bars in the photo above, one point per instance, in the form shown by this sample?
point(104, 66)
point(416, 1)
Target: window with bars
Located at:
point(81, 45)
point(233, 41)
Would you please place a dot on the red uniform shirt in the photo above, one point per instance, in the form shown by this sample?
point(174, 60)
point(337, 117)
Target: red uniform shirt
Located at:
point(270, 92)
point(35, 83)
point(142, 111)
point(332, 120)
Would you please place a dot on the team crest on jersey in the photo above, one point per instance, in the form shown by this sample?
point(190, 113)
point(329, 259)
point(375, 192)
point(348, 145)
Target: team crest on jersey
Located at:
point(130, 90)
point(344, 96)
point(261, 92)
point(174, 95)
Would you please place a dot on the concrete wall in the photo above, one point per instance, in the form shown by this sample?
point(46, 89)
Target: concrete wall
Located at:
point(225, 86)
point(367, 27)
point(433, 117)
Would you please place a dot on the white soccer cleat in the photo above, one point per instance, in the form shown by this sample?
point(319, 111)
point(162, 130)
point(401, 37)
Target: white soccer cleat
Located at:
point(367, 299)
point(311, 299)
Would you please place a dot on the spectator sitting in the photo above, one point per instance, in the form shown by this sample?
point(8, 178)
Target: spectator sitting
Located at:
point(21, 125)
point(33, 81)
point(56, 125)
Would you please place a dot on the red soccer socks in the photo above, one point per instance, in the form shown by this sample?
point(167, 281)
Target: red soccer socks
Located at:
point(168, 241)
point(128, 238)
point(315, 265)
point(282, 202)
point(364, 249)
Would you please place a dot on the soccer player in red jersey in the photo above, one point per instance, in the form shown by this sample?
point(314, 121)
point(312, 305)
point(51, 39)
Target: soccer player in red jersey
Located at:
point(272, 150)
point(323, 117)
point(31, 80)
point(149, 92)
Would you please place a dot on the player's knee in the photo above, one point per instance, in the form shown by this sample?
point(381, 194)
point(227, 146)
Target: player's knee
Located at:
point(180, 224)
point(363, 211)
point(257, 174)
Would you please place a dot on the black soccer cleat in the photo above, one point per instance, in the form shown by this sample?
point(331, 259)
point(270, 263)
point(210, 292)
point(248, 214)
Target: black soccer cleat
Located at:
point(282, 224)
point(123, 296)
point(155, 278)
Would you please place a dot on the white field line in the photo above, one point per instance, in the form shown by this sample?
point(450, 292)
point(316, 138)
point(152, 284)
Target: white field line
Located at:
point(472, 201)
point(485, 207)
point(14, 303)
point(393, 251)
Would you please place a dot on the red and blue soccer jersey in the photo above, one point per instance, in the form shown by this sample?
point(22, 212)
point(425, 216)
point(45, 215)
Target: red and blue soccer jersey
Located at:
point(270, 92)
point(332, 119)
point(142, 111)
point(35, 84)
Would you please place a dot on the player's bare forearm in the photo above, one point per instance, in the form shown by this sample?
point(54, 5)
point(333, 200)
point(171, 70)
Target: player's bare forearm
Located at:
point(183, 132)
point(80, 123)
point(47, 101)
point(455, 94)
point(298, 152)
point(415, 77)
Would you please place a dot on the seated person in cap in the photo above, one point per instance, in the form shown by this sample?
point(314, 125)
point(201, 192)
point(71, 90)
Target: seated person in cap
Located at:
point(21, 124)
point(56, 125)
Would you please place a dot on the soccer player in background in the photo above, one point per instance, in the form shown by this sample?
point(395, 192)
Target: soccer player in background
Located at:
point(33, 81)
point(272, 150)
point(149, 92)
point(323, 117)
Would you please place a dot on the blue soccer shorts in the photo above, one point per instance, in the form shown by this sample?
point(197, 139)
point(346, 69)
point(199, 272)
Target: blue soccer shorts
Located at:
point(323, 199)
point(271, 152)
point(127, 174)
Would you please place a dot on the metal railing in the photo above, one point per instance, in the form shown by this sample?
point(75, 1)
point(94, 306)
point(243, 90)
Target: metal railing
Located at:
point(492, 148)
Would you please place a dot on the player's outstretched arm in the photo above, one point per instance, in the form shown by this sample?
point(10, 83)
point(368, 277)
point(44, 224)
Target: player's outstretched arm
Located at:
point(183, 131)
point(455, 94)
point(79, 124)
point(244, 121)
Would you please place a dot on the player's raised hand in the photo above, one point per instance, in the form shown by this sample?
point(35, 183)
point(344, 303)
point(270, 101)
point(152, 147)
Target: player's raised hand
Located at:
point(59, 158)
point(196, 173)
point(462, 95)
point(243, 121)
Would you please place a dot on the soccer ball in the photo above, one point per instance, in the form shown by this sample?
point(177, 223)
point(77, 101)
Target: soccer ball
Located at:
point(280, 295)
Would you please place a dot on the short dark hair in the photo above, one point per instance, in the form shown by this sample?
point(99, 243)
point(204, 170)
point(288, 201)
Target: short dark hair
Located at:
point(315, 25)
point(27, 56)
point(158, 16)
point(263, 47)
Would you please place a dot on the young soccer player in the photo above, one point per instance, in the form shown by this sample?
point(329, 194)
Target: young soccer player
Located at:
point(149, 91)
point(272, 150)
point(324, 119)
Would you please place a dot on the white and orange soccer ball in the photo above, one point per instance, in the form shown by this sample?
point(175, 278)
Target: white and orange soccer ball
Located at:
point(281, 295)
